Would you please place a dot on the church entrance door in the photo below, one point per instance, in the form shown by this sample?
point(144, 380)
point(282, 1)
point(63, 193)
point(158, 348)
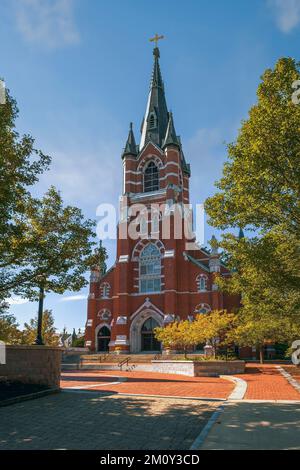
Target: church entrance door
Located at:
point(149, 342)
point(103, 339)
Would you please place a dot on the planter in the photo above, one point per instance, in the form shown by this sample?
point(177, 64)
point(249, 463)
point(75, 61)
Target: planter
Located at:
point(32, 365)
point(199, 368)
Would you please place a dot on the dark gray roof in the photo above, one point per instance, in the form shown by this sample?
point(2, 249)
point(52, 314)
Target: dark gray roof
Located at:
point(197, 262)
point(241, 234)
point(130, 147)
point(155, 122)
point(171, 137)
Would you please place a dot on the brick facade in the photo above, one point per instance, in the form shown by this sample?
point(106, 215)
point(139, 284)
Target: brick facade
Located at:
point(118, 304)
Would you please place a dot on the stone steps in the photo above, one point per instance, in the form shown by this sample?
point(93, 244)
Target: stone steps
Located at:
point(108, 366)
point(114, 358)
point(134, 358)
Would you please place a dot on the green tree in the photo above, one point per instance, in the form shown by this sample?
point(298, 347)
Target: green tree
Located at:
point(260, 187)
point(213, 327)
point(9, 329)
point(79, 342)
point(260, 191)
point(20, 166)
point(60, 252)
point(184, 335)
point(177, 335)
point(258, 330)
point(49, 334)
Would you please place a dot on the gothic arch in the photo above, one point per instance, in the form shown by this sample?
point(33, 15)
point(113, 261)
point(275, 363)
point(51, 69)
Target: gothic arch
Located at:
point(136, 252)
point(105, 290)
point(136, 327)
point(97, 329)
point(147, 160)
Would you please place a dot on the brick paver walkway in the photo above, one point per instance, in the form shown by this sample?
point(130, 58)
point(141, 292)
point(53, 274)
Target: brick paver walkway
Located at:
point(82, 420)
point(266, 383)
point(150, 383)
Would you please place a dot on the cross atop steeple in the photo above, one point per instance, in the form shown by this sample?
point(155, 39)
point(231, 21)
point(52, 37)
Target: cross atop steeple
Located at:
point(156, 38)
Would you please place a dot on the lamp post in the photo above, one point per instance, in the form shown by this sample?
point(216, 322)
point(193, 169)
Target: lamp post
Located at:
point(39, 338)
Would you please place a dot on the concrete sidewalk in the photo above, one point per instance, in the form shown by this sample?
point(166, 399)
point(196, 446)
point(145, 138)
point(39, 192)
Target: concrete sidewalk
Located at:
point(256, 426)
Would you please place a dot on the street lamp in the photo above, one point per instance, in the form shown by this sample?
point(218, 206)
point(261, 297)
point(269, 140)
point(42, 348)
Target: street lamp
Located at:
point(39, 338)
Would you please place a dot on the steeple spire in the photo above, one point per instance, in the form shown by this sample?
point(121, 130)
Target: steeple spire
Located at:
point(171, 137)
point(155, 122)
point(130, 147)
point(241, 233)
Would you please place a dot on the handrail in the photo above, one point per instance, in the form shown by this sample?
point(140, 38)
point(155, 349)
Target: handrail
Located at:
point(125, 361)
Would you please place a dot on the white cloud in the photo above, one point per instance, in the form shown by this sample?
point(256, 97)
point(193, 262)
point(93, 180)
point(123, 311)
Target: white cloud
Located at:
point(17, 301)
point(47, 22)
point(287, 13)
point(73, 298)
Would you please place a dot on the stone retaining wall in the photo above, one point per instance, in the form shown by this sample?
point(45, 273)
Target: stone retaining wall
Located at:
point(32, 365)
point(199, 369)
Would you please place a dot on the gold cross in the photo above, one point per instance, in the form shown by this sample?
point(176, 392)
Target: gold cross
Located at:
point(156, 39)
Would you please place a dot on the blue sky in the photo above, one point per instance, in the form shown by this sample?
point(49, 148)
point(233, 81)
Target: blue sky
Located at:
point(80, 72)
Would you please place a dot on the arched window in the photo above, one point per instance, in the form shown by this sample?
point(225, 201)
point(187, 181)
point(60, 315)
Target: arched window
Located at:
point(151, 178)
point(201, 283)
point(180, 179)
point(152, 121)
point(150, 269)
point(105, 290)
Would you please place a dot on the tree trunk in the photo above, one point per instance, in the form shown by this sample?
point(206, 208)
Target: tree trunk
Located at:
point(261, 354)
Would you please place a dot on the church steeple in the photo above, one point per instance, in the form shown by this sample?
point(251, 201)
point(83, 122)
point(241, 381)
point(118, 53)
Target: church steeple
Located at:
point(241, 233)
point(130, 147)
point(156, 118)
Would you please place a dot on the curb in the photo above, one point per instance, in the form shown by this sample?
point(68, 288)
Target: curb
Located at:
point(240, 387)
point(30, 396)
point(87, 387)
point(293, 382)
point(122, 394)
point(198, 442)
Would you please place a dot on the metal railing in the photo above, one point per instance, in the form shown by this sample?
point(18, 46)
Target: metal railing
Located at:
point(125, 361)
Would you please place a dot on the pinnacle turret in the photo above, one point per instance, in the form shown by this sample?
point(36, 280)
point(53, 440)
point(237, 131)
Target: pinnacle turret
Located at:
point(130, 147)
point(171, 137)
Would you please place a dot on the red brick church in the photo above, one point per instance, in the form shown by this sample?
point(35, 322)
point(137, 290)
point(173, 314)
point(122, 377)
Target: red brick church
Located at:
point(156, 278)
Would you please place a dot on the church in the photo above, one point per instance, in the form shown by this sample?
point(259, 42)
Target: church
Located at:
point(158, 277)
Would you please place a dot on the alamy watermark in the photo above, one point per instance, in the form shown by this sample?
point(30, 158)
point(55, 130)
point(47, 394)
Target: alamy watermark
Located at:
point(138, 221)
point(2, 353)
point(296, 94)
point(2, 92)
point(296, 353)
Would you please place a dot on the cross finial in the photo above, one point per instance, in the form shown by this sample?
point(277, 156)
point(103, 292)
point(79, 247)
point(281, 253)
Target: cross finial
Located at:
point(156, 38)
